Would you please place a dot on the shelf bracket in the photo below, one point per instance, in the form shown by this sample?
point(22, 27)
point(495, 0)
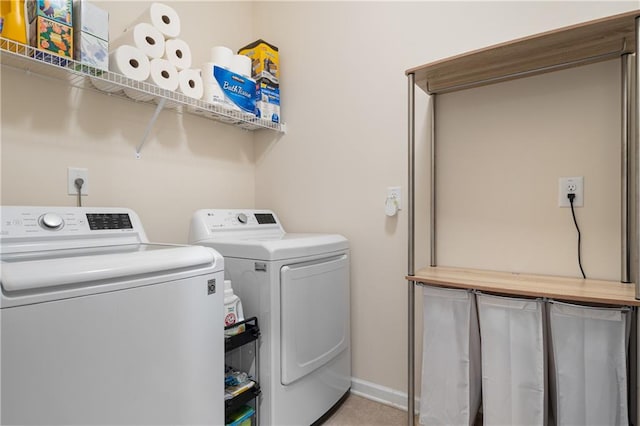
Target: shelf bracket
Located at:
point(153, 120)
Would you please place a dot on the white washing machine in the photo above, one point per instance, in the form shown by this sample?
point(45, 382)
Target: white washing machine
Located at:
point(101, 327)
point(298, 287)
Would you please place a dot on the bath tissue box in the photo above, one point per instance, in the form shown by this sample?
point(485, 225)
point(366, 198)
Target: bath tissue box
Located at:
point(268, 103)
point(60, 11)
point(237, 90)
point(265, 60)
point(53, 37)
point(91, 35)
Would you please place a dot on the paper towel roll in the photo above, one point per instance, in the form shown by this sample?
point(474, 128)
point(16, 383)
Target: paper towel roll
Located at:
point(222, 56)
point(162, 17)
point(130, 62)
point(163, 74)
point(241, 64)
point(190, 83)
point(145, 37)
point(177, 52)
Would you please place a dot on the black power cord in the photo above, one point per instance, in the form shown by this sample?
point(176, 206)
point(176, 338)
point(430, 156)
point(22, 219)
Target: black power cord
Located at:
point(571, 197)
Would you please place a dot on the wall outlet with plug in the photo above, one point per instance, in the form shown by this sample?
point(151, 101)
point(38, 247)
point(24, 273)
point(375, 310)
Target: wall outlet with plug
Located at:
point(74, 173)
point(571, 185)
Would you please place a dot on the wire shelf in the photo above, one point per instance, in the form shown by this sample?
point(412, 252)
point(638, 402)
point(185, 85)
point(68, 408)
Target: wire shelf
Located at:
point(38, 62)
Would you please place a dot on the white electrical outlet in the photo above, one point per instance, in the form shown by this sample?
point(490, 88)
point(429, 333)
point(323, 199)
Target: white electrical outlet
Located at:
point(74, 173)
point(571, 185)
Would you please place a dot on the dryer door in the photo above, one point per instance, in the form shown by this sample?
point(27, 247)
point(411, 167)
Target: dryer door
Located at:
point(314, 307)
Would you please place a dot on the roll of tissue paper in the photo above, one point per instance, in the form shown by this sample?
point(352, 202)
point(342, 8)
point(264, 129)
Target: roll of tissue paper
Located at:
point(162, 17)
point(207, 72)
point(177, 52)
point(241, 64)
point(162, 74)
point(130, 62)
point(213, 94)
point(190, 83)
point(143, 36)
point(221, 55)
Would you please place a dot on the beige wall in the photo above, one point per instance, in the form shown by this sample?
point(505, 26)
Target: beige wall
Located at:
point(344, 102)
point(187, 163)
point(503, 149)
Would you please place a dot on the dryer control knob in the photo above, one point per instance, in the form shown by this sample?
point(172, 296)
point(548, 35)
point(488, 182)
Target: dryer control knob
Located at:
point(242, 218)
point(51, 221)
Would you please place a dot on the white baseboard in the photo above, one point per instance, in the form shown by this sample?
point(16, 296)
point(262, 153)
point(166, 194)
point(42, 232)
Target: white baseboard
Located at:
point(381, 394)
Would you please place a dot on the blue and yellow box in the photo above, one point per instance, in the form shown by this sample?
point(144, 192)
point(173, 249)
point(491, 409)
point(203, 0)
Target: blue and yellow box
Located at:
point(265, 60)
point(60, 11)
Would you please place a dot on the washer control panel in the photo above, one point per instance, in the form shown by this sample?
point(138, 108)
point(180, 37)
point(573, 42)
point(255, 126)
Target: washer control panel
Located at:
point(238, 218)
point(33, 221)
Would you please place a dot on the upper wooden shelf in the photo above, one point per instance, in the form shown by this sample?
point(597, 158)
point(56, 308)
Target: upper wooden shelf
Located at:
point(567, 47)
point(513, 284)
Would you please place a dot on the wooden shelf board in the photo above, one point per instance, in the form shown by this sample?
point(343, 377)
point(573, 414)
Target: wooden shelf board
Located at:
point(515, 284)
point(589, 42)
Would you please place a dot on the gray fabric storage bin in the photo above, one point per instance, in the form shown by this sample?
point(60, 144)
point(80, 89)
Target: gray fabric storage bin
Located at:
point(514, 373)
point(451, 381)
point(588, 361)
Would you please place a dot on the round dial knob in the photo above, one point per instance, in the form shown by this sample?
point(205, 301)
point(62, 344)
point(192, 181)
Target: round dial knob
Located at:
point(51, 221)
point(242, 218)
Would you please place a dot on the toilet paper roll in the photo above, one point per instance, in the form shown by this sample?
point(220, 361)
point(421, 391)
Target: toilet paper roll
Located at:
point(162, 17)
point(163, 74)
point(241, 64)
point(145, 37)
point(177, 52)
point(190, 83)
point(222, 56)
point(130, 62)
point(212, 93)
point(207, 72)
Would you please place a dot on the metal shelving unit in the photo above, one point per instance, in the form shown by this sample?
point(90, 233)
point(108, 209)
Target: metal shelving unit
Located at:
point(76, 74)
point(609, 38)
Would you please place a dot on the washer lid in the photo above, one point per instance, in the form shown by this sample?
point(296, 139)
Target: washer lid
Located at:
point(86, 267)
point(285, 246)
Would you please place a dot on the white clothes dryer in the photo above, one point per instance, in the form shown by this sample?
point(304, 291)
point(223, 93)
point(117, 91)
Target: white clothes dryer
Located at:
point(99, 326)
point(298, 287)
